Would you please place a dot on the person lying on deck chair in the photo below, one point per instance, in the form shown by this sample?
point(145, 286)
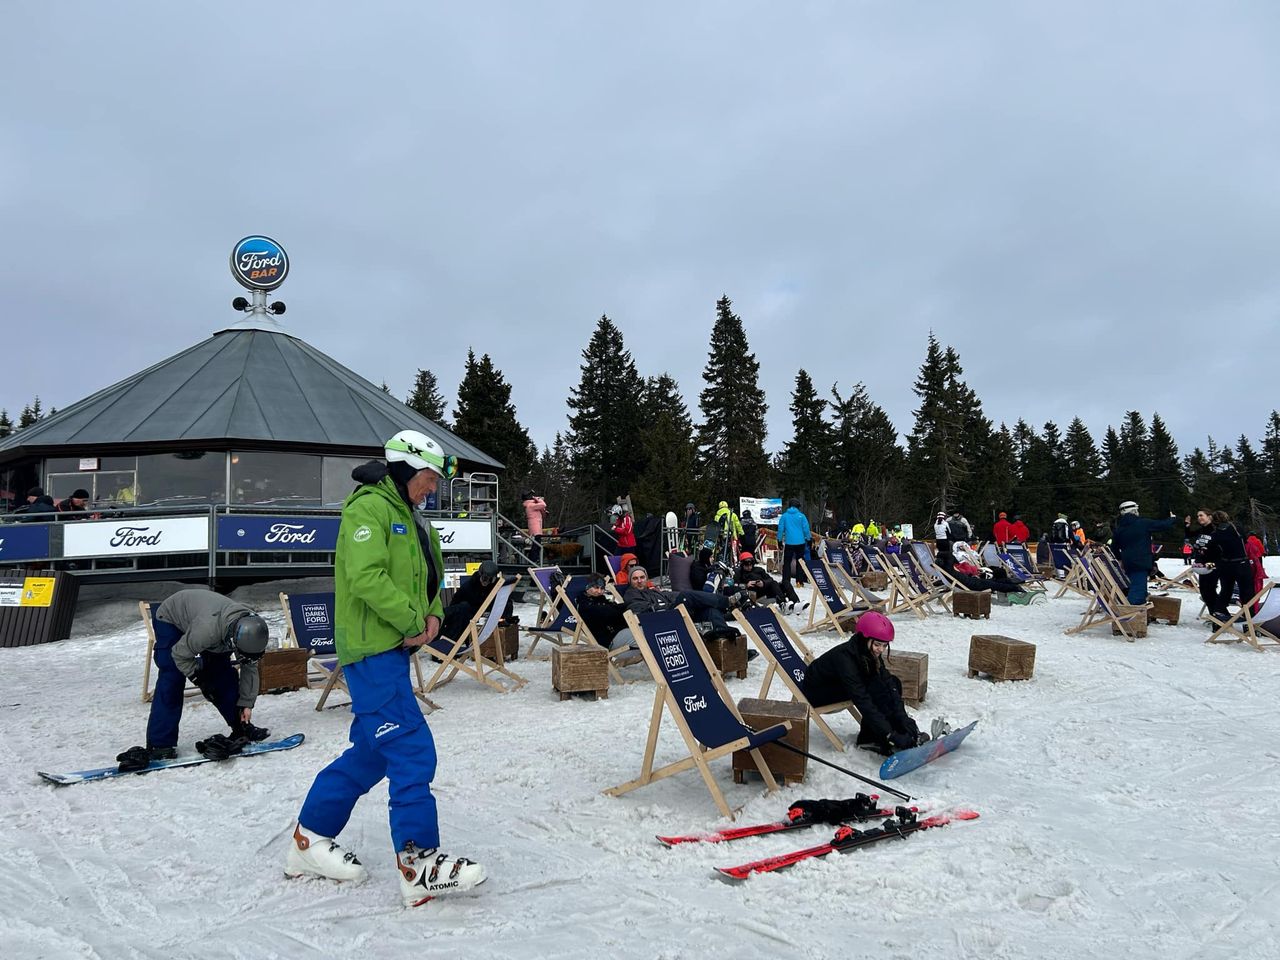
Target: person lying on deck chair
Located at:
point(968, 569)
point(641, 598)
point(856, 671)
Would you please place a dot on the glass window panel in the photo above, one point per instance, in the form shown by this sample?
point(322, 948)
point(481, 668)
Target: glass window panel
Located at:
point(286, 479)
point(336, 482)
point(178, 479)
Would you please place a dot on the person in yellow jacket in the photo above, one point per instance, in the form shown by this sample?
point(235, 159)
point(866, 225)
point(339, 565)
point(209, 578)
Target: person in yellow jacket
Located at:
point(730, 527)
point(873, 532)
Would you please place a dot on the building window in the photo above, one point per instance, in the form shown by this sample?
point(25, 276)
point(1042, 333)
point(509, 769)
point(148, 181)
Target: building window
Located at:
point(282, 479)
point(336, 482)
point(181, 479)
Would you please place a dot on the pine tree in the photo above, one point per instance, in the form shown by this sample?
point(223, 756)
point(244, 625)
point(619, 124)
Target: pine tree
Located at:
point(1085, 499)
point(607, 417)
point(485, 417)
point(1163, 478)
point(1271, 460)
point(385, 388)
point(552, 479)
point(805, 464)
point(994, 474)
point(426, 398)
point(867, 463)
point(731, 438)
point(950, 437)
point(6, 425)
point(1210, 486)
point(30, 414)
point(1248, 505)
point(667, 442)
point(1038, 492)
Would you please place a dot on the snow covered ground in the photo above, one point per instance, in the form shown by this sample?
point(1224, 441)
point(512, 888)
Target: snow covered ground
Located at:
point(1128, 796)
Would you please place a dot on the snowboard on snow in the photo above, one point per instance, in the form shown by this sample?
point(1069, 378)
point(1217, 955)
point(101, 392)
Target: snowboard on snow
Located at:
point(107, 773)
point(904, 761)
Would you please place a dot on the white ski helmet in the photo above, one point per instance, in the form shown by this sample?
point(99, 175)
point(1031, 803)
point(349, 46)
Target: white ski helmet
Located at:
point(420, 452)
point(1128, 507)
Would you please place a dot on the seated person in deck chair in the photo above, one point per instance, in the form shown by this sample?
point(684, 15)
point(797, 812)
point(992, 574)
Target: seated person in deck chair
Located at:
point(469, 598)
point(640, 598)
point(603, 617)
point(856, 671)
point(197, 634)
point(756, 579)
point(968, 569)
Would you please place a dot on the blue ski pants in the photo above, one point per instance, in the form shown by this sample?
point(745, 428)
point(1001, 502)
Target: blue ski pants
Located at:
point(220, 678)
point(1137, 593)
point(389, 738)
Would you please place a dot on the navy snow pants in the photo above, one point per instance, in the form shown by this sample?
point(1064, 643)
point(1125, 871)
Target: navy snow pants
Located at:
point(166, 704)
point(389, 738)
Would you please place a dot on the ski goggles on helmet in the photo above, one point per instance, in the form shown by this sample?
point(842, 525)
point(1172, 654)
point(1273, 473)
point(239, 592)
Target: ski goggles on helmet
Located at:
point(444, 464)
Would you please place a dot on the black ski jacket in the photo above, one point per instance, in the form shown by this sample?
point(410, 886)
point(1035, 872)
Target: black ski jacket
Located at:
point(846, 673)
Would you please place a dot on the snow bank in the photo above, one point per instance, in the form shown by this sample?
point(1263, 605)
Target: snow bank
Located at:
point(1127, 797)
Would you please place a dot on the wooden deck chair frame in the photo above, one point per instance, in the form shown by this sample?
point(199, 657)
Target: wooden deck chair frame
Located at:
point(329, 677)
point(1184, 579)
point(903, 594)
point(464, 656)
point(775, 668)
point(1247, 626)
point(1106, 608)
point(698, 757)
point(840, 621)
point(930, 580)
point(553, 606)
point(546, 605)
point(189, 692)
point(584, 635)
point(1015, 570)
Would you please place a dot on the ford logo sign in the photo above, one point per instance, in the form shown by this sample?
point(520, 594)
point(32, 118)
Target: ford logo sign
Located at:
point(259, 263)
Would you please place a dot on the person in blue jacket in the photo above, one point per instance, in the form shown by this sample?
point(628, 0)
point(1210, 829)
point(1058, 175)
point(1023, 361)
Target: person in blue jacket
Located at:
point(1131, 543)
point(794, 535)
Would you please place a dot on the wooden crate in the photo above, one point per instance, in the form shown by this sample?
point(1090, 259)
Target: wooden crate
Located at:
point(507, 639)
point(782, 763)
point(1168, 609)
point(971, 605)
point(1137, 626)
point(577, 668)
point(283, 669)
point(729, 655)
point(875, 580)
point(1002, 658)
point(913, 670)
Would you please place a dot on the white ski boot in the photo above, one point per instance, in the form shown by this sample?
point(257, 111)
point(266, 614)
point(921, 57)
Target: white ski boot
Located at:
point(311, 855)
point(427, 874)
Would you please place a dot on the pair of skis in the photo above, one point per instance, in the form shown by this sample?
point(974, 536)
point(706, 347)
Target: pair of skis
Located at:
point(894, 824)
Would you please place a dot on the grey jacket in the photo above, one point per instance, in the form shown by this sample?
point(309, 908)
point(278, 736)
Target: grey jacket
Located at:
point(205, 619)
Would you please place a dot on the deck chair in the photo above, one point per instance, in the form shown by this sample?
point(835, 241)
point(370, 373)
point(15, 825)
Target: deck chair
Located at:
point(615, 566)
point(309, 625)
point(993, 556)
point(1108, 605)
point(690, 689)
point(788, 658)
point(148, 613)
point(1183, 579)
point(1259, 630)
point(940, 584)
point(838, 612)
point(1067, 559)
point(462, 655)
point(1017, 560)
point(558, 623)
point(543, 579)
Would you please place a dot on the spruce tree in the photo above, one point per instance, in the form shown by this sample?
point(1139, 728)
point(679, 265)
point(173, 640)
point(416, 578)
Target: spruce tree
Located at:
point(607, 416)
point(426, 398)
point(731, 438)
point(868, 465)
point(1164, 476)
point(30, 414)
point(949, 437)
point(485, 417)
point(1250, 484)
point(667, 442)
point(552, 479)
point(6, 425)
point(1081, 475)
point(1204, 473)
point(805, 463)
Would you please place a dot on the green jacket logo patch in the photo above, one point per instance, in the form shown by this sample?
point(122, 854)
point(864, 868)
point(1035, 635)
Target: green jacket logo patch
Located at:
point(362, 534)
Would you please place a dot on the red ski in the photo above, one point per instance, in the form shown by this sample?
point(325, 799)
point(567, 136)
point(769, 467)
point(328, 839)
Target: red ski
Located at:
point(903, 823)
point(806, 813)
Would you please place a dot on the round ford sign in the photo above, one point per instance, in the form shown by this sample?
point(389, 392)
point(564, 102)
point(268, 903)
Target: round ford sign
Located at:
point(259, 263)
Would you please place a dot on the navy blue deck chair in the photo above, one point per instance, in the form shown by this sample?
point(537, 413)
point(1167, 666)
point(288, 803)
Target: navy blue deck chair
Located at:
point(838, 613)
point(788, 659)
point(309, 625)
point(463, 654)
point(691, 691)
point(558, 623)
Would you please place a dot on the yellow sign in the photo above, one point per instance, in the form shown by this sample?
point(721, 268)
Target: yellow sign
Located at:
point(37, 592)
point(472, 568)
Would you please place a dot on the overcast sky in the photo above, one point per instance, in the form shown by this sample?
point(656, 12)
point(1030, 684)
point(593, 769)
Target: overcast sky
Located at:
point(1080, 197)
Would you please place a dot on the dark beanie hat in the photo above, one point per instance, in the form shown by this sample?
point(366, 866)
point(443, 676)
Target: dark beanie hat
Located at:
point(80, 494)
point(36, 492)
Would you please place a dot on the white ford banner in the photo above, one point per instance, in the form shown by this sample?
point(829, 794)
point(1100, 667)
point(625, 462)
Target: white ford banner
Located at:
point(464, 536)
point(123, 538)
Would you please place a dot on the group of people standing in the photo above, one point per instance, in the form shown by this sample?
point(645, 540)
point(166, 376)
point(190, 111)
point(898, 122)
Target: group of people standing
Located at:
point(1225, 561)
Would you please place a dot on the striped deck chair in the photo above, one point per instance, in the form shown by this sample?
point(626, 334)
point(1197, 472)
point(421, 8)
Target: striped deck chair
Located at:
point(788, 658)
point(462, 655)
point(1108, 605)
point(839, 613)
point(1259, 630)
point(309, 623)
point(693, 695)
point(934, 577)
point(861, 596)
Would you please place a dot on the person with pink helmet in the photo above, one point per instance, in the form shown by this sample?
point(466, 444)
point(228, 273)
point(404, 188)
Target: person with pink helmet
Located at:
point(857, 671)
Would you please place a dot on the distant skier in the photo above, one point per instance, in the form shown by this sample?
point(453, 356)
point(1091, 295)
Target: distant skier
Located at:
point(197, 633)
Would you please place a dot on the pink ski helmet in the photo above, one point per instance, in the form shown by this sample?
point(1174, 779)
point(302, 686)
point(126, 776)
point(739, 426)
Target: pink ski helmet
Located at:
point(875, 626)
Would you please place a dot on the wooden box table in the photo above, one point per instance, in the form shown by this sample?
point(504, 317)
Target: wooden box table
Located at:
point(875, 580)
point(782, 763)
point(971, 605)
point(283, 669)
point(913, 670)
point(578, 668)
point(505, 639)
point(729, 654)
point(1168, 609)
point(1137, 625)
point(1003, 658)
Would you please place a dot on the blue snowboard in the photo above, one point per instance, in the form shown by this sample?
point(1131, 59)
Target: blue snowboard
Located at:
point(106, 773)
point(904, 761)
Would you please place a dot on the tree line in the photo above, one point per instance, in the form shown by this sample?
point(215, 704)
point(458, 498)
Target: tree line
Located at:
point(628, 432)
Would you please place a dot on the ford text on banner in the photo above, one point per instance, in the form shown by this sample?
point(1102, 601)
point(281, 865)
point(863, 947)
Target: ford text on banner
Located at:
point(278, 533)
point(464, 536)
point(23, 542)
point(123, 538)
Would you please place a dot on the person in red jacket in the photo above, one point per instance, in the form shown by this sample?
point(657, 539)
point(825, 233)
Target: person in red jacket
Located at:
point(1018, 532)
point(1002, 530)
point(1253, 549)
point(624, 529)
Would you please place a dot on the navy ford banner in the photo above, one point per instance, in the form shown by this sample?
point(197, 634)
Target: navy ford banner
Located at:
point(278, 533)
point(23, 542)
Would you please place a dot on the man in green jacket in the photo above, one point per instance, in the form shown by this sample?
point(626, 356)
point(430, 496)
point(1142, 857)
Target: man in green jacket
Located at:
point(387, 576)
